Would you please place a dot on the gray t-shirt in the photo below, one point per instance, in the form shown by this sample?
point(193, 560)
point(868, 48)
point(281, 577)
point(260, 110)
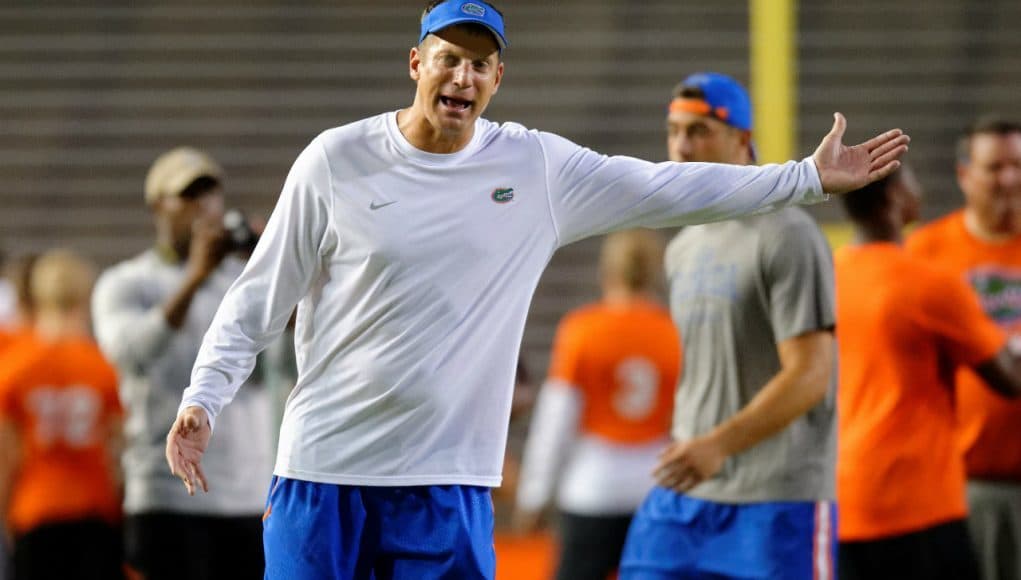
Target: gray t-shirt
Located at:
point(737, 289)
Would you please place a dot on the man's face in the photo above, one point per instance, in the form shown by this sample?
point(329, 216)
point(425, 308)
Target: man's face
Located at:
point(693, 137)
point(991, 181)
point(457, 72)
point(179, 213)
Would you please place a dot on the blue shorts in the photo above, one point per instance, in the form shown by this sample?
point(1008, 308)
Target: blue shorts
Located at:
point(321, 531)
point(679, 537)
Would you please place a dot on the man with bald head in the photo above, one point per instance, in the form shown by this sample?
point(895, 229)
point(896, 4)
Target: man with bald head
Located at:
point(982, 243)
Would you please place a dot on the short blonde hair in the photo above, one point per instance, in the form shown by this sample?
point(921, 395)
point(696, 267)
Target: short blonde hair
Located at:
point(633, 258)
point(61, 280)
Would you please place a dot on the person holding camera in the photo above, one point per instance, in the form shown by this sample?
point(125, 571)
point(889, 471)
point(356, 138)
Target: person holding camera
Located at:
point(150, 314)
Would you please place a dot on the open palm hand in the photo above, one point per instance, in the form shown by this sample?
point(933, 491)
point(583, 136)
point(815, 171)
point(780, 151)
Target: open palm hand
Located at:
point(186, 443)
point(845, 168)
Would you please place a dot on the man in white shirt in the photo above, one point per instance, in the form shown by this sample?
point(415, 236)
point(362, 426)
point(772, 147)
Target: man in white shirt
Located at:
point(412, 243)
point(150, 314)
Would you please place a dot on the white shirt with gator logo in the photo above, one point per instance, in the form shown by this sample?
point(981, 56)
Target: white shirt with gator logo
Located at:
point(413, 274)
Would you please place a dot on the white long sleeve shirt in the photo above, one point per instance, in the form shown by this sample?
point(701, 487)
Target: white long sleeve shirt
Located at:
point(413, 273)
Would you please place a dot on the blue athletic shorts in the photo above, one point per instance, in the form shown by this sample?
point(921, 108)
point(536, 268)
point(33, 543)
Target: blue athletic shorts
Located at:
point(320, 531)
point(679, 537)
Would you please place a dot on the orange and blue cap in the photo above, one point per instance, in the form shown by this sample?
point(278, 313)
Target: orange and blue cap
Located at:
point(723, 98)
point(464, 12)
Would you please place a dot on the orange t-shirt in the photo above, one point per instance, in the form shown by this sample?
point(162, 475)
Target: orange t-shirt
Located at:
point(625, 361)
point(987, 421)
point(903, 327)
point(61, 398)
point(10, 337)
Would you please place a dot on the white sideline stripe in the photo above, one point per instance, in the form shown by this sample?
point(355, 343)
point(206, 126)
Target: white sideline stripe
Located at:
point(821, 550)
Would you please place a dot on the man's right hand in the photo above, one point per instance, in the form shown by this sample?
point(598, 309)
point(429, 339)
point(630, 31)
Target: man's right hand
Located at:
point(186, 443)
point(208, 248)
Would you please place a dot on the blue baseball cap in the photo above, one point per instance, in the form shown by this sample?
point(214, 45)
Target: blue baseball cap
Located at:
point(723, 98)
point(460, 12)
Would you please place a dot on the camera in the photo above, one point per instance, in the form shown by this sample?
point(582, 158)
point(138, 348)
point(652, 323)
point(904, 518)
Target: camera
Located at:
point(240, 235)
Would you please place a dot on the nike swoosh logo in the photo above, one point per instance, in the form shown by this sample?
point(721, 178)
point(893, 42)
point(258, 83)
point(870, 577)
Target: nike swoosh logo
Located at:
point(374, 206)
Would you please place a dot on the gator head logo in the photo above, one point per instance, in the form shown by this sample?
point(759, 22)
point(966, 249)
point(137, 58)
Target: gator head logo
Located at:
point(473, 9)
point(999, 289)
point(503, 194)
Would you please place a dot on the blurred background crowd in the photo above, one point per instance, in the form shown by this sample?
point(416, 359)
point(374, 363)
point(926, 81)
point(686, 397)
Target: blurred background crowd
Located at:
point(97, 99)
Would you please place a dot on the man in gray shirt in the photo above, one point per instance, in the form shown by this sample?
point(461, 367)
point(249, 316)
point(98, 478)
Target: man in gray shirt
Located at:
point(746, 490)
point(150, 314)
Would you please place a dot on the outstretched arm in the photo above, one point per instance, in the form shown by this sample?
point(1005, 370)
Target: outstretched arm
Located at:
point(592, 194)
point(806, 370)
